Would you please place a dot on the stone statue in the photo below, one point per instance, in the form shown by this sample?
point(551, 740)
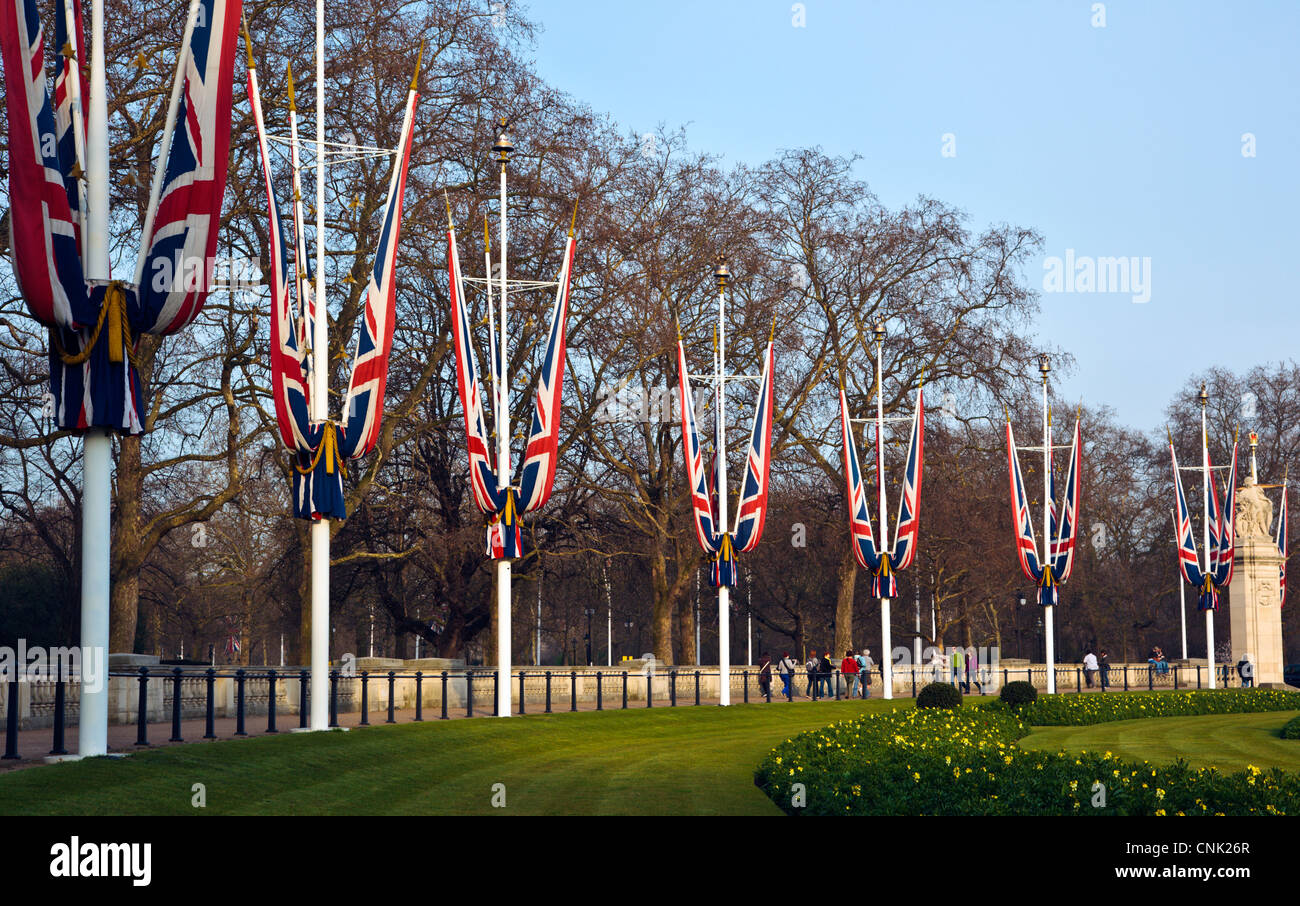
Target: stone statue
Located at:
point(1254, 513)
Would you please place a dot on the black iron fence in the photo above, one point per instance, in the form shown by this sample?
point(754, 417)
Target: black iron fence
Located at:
point(552, 691)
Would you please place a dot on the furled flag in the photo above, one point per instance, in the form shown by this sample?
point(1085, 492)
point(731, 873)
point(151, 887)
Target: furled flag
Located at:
point(1222, 534)
point(715, 540)
point(884, 564)
point(1063, 524)
point(504, 505)
point(1282, 544)
point(93, 325)
point(320, 448)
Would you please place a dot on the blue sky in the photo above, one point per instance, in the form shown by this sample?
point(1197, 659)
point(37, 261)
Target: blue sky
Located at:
point(1122, 140)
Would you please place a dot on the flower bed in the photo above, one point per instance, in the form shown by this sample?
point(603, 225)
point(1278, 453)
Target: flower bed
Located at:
point(1076, 710)
point(933, 762)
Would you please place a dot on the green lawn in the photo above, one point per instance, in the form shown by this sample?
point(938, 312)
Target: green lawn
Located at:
point(658, 761)
point(1227, 741)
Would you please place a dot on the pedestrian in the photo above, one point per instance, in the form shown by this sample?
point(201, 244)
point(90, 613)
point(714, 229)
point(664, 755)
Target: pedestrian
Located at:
point(849, 667)
point(787, 667)
point(1089, 667)
point(813, 665)
point(959, 668)
point(825, 672)
point(1104, 660)
point(938, 664)
point(972, 669)
point(865, 665)
point(1246, 670)
point(765, 676)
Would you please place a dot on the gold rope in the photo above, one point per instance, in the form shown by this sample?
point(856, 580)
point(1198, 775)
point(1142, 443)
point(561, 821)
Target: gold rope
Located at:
point(330, 450)
point(112, 313)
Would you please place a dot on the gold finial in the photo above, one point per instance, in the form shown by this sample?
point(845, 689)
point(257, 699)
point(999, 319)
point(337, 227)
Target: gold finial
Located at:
point(1006, 413)
point(771, 337)
point(140, 61)
point(67, 50)
point(447, 202)
point(415, 79)
point(1049, 415)
point(289, 68)
point(248, 42)
point(574, 221)
point(1170, 435)
point(487, 236)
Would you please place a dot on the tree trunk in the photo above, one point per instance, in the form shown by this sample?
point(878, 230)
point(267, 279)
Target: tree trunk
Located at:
point(685, 641)
point(661, 618)
point(124, 596)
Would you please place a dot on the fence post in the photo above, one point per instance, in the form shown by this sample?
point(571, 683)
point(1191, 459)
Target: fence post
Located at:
point(210, 728)
point(444, 696)
point(334, 698)
point(365, 698)
point(176, 705)
point(1175, 677)
point(649, 689)
point(270, 702)
point(1078, 680)
point(303, 691)
point(835, 678)
point(744, 685)
point(239, 702)
point(469, 693)
point(573, 690)
point(59, 717)
point(672, 688)
point(1198, 676)
point(11, 723)
point(1126, 677)
point(419, 695)
point(548, 692)
point(697, 688)
point(496, 705)
point(1151, 677)
point(624, 690)
point(142, 709)
point(913, 673)
point(521, 692)
point(600, 705)
point(392, 691)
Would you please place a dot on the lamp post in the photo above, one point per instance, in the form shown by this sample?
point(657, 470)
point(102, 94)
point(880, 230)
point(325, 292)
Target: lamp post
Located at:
point(886, 643)
point(1049, 648)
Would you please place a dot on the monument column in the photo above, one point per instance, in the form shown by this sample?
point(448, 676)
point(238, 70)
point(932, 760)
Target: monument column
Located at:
point(1254, 598)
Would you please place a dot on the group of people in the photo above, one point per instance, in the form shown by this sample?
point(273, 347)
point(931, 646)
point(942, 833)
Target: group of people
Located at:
point(1156, 658)
point(820, 672)
point(960, 667)
point(1094, 663)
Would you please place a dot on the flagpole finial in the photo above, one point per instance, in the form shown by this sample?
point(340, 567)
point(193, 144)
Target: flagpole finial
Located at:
point(573, 221)
point(248, 42)
point(1044, 365)
point(447, 202)
point(1170, 435)
point(293, 107)
point(415, 79)
point(771, 337)
point(1203, 396)
point(504, 145)
point(487, 236)
point(721, 273)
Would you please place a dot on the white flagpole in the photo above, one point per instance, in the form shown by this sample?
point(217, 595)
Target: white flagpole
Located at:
point(1049, 640)
point(164, 150)
point(720, 446)
point(1205, 493)
point(886, 642)
point(503, 148)
point(609, 619)
point(1182, 588)
point(92, 721)
point(320, 529)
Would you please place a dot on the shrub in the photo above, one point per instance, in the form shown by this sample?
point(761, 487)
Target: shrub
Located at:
point(1292, 729)
point(1018, 693)
point(938, 762)
point(939, 695)
point(1077, 710)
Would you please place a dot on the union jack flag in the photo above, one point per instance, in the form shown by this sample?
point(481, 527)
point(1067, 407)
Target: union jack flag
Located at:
point(1065, 535)
point(706, 531)
point(752, 511)
point(864, 542)
point(505, 505)
point(537, 473)
point(1222, 531)
point(1021, 517)
point(908, 525)
point(320, 448)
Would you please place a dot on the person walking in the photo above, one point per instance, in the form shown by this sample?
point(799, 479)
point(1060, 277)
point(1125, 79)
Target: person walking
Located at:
point(765, 676)
point(787, 668)
point(825, 673)
point(865, 664)
point(849, 667)
point(812, 665)
point(1089, 667)
point(972, 669)
point(959, 669)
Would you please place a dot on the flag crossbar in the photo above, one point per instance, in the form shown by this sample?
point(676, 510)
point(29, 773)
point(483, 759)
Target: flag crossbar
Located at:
point(310, 145)
point(713, 378)
point(519, 284)
point(1039, 448)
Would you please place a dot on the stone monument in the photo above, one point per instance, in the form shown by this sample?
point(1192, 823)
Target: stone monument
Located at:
point(1254, 595)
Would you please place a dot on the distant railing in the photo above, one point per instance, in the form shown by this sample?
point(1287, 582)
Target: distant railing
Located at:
point(163, 695)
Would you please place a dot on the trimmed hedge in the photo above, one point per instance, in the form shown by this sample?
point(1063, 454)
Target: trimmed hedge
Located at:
point(939, 695)
point(965, 762)
point(1292, 729)
point(1018, 693)
point(1078, 710)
